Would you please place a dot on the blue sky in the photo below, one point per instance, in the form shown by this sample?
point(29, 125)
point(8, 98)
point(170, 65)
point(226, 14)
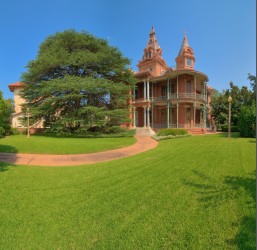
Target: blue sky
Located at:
point(222, 33)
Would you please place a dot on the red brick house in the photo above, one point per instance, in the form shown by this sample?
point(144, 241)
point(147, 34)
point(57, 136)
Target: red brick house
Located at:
point(167, 97)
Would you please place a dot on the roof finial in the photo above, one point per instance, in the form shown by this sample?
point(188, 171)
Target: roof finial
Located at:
point(184, 44)
point(152, 31)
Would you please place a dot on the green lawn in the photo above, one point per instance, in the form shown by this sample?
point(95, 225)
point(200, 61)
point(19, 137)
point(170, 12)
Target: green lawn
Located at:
point(192, 193)
point(56, 145)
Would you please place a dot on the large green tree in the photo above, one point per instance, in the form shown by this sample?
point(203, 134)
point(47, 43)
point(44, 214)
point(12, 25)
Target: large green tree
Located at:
point(78, 81)
point(247, 115)
point(252, 79)
point(247, 121)
point(6, 109)
point(219, 103)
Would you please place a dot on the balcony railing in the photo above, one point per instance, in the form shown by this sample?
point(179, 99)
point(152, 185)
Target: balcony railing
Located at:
point(164, 125)
point(139, 100)
point(174, 125)
point(181, 96)
point(159, 98)
point(198, 97)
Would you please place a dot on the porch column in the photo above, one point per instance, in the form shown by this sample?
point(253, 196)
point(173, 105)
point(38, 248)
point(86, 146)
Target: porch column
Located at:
point(168, 114)
point(177, 114)
point(195, 101)
point(206, 91)
point(152, 91)
point(168, 88)
point(177, 101)
point(204, 96)
point(177, 86)
point(144, 116)
point(148, 90)
point(152, 110)
point(148, 116)
point(134, 116)
point(171, 116)
point(204, 116)
point(144, 90)
point(134, 93)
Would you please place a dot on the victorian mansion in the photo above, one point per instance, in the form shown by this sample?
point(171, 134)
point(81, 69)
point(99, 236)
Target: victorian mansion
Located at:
point(167, 97)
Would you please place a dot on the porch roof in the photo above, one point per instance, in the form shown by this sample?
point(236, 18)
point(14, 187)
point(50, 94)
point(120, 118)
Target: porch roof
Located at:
point(173, 74)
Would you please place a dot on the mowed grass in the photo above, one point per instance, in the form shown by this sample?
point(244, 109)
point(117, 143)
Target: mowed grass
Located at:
point(192, 193)
point(57, 145)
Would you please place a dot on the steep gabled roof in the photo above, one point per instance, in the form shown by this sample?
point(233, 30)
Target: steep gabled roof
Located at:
point(184, 45)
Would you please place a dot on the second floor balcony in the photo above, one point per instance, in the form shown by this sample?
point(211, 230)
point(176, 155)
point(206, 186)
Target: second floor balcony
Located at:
point(174, 96)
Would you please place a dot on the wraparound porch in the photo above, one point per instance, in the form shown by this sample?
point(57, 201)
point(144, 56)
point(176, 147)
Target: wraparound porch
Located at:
point(186, 115)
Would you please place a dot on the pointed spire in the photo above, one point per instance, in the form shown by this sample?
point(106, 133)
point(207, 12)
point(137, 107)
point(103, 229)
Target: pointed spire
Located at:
point(152, 49)
point(184, 45)
point(185, 58)
point(152, 31)
point(153, 56)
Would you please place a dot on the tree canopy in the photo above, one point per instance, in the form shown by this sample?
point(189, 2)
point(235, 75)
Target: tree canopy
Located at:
point(6, 108)
point(242, 106)
point(78, 81)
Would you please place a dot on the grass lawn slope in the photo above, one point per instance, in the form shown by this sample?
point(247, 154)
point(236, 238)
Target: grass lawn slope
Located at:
point(57, 145)
point(192, 193)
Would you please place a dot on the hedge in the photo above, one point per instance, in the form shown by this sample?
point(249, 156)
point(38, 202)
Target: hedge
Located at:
point(224, 128)
point(172, 131)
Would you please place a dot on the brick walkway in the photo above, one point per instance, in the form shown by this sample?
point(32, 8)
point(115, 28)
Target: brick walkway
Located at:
point(143, 143)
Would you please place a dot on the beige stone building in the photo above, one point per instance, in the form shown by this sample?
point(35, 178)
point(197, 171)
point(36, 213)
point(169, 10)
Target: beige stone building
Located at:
point(18, 101)
point(16, 88)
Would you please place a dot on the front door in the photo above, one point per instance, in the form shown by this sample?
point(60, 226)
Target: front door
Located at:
point(164, 117)
point(188, 117)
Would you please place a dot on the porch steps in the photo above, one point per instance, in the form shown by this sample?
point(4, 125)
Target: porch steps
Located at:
point(145, 131)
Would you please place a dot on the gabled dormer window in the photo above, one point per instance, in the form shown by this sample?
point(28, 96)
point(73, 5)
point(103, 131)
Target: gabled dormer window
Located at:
point(189, 62)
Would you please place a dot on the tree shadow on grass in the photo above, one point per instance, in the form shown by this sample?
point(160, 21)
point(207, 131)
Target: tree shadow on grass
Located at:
point(5, 166)
point(8, 156)
point(214, 193)
point(245, 238)
point(7, 148)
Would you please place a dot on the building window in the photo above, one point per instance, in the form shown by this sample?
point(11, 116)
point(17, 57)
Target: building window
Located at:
point(136, 93)
point(189, 62)
point(150, 90)
point(163, 91)
point(188, 86)
point(148, 54)
point(173, 88)
point(163, 116)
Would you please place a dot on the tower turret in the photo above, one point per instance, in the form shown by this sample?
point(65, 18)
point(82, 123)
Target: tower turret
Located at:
point(152, 58)
point(185, 58)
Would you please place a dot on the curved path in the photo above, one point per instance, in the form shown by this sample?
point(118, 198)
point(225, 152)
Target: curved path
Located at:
point(143, 143)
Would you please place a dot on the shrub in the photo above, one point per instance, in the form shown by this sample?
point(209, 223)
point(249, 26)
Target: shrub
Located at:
point(171, 131)
point(247, 121)
point(14, 131)
point(2, 132)
point(165, 137)
point(114, 130)
point(233, 128)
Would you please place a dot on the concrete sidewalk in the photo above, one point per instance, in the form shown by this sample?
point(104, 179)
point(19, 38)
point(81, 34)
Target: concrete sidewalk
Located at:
point(143, 144)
